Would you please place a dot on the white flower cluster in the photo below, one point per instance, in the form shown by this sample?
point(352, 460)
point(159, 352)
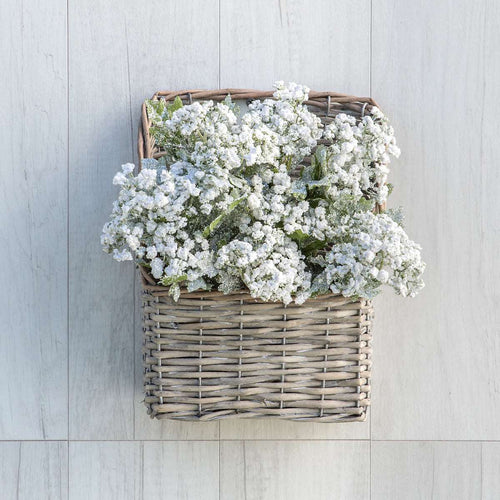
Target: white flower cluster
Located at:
point(269, 265)
point(358, 158)
point(224, 207)
point(296, 129)
point(369, 251)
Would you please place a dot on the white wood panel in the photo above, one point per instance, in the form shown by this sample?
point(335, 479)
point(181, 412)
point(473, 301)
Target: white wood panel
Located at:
point(184, 56)
point(33, 212)
point(303, 41)
point(294, 470)
point(283, 429)
point(105, 470)
point(176, 469)
point(423, 470)
point(435, 72)
point(322, 43)
point(490, 472)
point(34, 470)
point(101, 291)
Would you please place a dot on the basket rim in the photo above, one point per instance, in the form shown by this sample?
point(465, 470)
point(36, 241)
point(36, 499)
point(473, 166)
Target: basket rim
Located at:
point(150, 285)
point(323, 100)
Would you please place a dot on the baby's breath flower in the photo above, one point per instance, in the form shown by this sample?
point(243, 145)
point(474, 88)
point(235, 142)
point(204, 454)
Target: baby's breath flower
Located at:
point(224, 208)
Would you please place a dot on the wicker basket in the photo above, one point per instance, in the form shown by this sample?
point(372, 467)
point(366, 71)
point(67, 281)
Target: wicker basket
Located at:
point(210, 356)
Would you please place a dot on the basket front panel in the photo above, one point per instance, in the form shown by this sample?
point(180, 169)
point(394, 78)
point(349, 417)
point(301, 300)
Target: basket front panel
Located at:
point(211, 356)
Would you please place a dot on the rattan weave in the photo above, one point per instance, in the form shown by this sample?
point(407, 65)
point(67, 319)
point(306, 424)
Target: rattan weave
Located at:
point(211, 356)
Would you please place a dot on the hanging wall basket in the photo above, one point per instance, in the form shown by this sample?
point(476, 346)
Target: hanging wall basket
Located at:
point(210, 356)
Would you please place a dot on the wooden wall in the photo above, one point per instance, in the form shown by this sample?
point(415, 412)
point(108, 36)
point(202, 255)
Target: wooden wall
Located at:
point(74, 73)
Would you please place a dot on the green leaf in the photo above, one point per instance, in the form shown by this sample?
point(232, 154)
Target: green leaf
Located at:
point(155, 110)
point(177, 104)
point(308, 244)
point(318, 162)
point(231, 104)
point(170, 280)
point(325, 181)
point(313, 246)
point(299, 236)
point(218, 220)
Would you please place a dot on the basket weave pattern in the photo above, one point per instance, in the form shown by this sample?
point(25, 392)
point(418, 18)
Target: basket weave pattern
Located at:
point(210, 356)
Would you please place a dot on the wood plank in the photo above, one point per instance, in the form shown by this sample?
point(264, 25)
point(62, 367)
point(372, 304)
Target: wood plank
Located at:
point(34, 470)
point(303, 41)
point(490, 472)
point(435, 72)
point(324, 44)
point(33, 217)
point(192, 49)
point(105, 470)
point(294, 470)
point(177, 469)
point(284, 429)
point(417, 470)
point(101, 291)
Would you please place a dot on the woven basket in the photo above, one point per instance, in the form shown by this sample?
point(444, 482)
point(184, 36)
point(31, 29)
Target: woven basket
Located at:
point(211, 356)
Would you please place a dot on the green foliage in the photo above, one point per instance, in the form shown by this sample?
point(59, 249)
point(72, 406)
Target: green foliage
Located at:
point(160, 109)
point(177, 104)
point(397, 215)
point(347, 205)
point(218, 220)
point(307, 244)
point(231, 105)
point(319, 161)
point(171, 280)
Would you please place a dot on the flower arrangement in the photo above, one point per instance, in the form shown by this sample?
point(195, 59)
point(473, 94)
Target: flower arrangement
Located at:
point(268, 200)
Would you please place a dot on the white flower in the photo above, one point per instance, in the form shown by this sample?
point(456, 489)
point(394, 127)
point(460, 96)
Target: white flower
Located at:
point(383, 276)
point(358, 159)
point(128, 168)
point(253, 201)
point(225, 207)
point(372, 250)
point(291, 92)
point(122, 256)
point(251, 156)
point(152, 252)
point(157, 268)
point(119, 179)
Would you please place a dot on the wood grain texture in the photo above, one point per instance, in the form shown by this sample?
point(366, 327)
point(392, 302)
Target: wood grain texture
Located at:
point(490, 472)
point(296, 40)
point(101, 292)
point(294, 470)
point(435, 72)
point(34, 470)
point(105, 470)
point(422, 470)
point(176, 469)
point(273, 429)
point(33, 213)
point(181, 56)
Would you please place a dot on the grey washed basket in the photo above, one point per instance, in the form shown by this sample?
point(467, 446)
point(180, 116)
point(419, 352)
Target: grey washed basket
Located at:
point(210, 356)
